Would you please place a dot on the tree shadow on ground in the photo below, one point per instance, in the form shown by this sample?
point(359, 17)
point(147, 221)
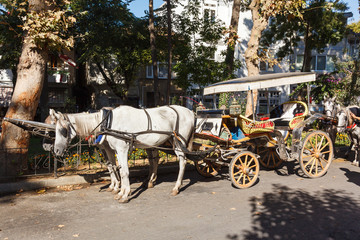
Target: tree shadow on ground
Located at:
point(287, 213)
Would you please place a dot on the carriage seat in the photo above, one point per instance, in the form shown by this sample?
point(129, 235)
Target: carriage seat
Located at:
point(212, 113)
point(248, 126)
point(289, 113)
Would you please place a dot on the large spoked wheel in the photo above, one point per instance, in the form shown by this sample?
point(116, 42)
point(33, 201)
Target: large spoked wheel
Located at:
point(208, 167)
point(316, 154)
point(244, 169)
point(269, 158)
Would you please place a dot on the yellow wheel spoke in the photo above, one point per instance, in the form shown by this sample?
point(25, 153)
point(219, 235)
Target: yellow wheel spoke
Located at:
point(248, 178)
point(238, 180)
point(312, 145)
point(324, 146)
point(312, 166)
point(310, 161)
point(308, 156)
point(322, 138)
point(309, 149)
point(250, 162)
point(237, 172)
point(322, 167)
point(253, 166)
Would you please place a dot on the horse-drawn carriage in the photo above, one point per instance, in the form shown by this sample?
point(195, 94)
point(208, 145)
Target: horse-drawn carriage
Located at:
point(222, 137)
point(261, 138)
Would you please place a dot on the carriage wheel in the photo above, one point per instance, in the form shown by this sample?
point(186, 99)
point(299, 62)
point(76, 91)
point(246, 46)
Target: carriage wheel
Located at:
point(316, 154)
point(244, 169)
point(208, 167)
point(269, 158)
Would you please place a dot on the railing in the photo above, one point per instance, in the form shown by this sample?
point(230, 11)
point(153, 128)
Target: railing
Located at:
point(80, 158)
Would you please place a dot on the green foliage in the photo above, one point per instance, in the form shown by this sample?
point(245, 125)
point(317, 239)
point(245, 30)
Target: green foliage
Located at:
point(355, 27)
point(10, 33)
point(115, 40)
point(194, 58)
point(343, 83)
point(47, 29)
point(323, 19)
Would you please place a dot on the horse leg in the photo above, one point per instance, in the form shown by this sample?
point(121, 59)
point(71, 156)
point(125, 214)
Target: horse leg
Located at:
point(356, 148)
point(153, 155)
point(351, 145)
point(111, 165)
point(122, 157)
point(182, 162)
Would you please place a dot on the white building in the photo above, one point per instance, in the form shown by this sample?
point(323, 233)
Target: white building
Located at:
point(321, 62)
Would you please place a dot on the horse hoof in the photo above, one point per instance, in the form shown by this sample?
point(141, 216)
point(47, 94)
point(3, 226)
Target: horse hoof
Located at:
point(115, 191)
point(150, 185)
point(117, 197)
point(121, 200)
point(174, 192)
point(109, 189)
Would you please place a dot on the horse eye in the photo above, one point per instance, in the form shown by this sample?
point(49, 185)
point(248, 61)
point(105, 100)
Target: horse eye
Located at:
point(64, 132)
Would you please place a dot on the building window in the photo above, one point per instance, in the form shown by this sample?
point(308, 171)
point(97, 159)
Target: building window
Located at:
point(299, 62)
point(162, 71)
point(149, 71)
point(57, 97)
point(209, 14)
point(274, 100)
point(330, 63)
point(318, 63)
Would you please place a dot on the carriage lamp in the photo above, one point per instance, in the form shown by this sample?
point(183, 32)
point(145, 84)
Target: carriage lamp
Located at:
point(235, 108)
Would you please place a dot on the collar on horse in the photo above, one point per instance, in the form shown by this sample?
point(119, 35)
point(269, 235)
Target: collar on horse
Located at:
point(352, 126)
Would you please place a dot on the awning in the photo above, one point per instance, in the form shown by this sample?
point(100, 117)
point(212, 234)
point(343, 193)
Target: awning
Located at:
point(259, 82)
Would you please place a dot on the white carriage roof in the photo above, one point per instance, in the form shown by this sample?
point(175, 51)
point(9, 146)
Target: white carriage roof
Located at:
point(259, 81)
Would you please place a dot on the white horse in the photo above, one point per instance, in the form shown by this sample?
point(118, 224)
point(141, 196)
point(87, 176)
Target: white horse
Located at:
point(347, 122)
point(331, 108)
point(107, 152)
point(131, 127)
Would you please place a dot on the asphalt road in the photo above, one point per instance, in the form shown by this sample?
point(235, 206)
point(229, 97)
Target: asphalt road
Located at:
point(282, 205)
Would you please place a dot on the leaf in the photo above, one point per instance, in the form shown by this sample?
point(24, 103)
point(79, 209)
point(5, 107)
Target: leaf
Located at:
point(61, 226)
point(41, 191)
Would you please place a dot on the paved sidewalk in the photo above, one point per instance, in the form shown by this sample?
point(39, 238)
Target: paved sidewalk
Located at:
point(37, 182)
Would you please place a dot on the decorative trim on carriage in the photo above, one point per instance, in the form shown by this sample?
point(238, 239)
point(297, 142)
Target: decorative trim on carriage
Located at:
point(249, 127)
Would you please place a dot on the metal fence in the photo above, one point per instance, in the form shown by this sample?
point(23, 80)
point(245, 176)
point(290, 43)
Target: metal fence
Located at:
point(82, 157)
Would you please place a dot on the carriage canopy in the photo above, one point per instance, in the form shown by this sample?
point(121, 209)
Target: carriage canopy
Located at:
point(259, 82)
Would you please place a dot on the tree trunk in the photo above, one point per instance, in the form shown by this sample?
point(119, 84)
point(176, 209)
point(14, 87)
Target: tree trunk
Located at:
point(307, 52)
point(30, 75)
point(168, 6)
point(153, 53)
point(233, 36)
point(251, 53)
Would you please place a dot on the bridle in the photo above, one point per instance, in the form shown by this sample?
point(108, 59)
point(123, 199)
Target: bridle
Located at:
point(68, 127)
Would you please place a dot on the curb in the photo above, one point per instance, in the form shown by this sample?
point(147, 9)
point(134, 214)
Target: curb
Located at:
point(50, 182)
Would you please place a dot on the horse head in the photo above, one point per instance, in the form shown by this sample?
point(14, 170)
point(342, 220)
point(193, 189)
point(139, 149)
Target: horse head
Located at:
point(330, 106)
point(343, 117)
point(64, 133)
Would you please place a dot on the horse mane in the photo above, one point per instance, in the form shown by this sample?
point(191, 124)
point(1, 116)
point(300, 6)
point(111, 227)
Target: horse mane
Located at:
point(85, 122)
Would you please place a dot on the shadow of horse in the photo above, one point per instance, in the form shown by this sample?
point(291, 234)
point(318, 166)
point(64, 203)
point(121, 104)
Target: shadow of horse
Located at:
point(353, 176)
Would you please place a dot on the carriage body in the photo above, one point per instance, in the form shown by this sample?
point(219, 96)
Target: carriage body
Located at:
point(285, 133)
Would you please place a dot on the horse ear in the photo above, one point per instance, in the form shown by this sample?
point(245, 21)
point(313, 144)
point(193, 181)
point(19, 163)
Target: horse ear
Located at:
point(55, 115)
